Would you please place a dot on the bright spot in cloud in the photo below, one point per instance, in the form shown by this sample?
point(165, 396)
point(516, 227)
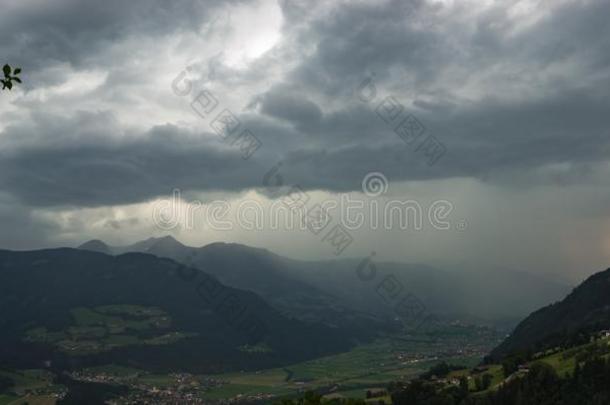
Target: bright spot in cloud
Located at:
point(255, 29)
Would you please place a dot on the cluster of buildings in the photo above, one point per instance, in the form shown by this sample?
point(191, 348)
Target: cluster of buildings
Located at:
point(56, 391)
point(104, 377)
point(155, 396)
point(181, 388)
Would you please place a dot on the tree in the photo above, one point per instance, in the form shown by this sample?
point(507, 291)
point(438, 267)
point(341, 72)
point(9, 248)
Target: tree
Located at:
point(464, 386)
point(10, 76)
point(486, 380)
point(478, 383)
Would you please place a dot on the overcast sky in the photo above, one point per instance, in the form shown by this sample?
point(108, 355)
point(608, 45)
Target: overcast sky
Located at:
point(517, 93)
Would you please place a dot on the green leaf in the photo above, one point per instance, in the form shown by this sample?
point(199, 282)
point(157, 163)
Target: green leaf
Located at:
point(18, 80)
point(7, 70)
point(17, 71)
point(9, 85)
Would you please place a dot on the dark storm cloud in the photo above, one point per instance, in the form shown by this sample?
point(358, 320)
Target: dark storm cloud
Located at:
point(415, 44)
point(80, 32)
point(501, 99)
point(88, 160)
point(84, 161)
point(362, 38)
point(539, 93)
point(291, 106)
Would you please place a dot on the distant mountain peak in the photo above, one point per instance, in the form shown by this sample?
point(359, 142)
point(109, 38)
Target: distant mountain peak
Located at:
point(95, 245)
point(164, 243)
point(164, 239)
point(237, 247)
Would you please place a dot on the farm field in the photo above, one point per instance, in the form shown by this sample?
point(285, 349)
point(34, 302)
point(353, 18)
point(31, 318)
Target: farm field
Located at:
point(104, 328)
point(347, 375)
point(32, 386)
point(369, 366)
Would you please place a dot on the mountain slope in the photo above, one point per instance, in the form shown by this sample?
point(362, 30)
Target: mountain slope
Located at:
point(585, 309)
point(261, 272)
point(327, 290)
point(78, 308)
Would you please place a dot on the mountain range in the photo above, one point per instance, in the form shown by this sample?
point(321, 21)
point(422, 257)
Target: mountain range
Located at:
point(70, 308)
point(160, 305)
point(332, 290)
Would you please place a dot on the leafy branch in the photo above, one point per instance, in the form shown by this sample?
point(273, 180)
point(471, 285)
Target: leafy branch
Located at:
point(10, 76)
